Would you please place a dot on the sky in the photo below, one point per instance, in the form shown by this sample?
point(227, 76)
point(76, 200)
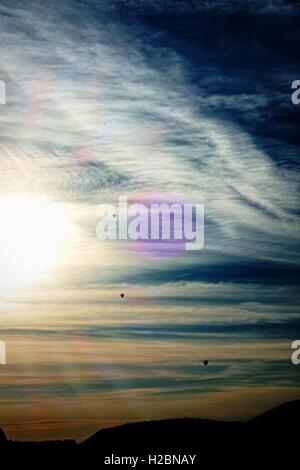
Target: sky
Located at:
point(109, 98)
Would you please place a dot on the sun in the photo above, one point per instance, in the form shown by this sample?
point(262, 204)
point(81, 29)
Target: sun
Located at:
point(34, 236)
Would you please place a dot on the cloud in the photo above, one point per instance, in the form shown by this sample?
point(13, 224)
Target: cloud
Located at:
point(179, 7)
point(86, 121)
point(190, 331)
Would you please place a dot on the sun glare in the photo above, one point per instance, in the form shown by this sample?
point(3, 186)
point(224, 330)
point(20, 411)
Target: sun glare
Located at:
point(34, 234)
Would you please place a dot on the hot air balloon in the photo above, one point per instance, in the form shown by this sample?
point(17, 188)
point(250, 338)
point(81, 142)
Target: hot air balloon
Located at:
point(122, 296)
point(205, 362)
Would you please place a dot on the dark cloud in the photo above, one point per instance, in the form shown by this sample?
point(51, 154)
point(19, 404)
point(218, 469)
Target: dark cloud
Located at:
point(179, 7)
point(193, 379)
point(241, 271)
point(256, 330)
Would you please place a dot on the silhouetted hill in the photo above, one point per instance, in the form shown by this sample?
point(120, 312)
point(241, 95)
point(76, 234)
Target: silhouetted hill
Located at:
point(283, 415)
point(274, 432)
point(162, 435)
point(265, 440)
point(3, 439)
